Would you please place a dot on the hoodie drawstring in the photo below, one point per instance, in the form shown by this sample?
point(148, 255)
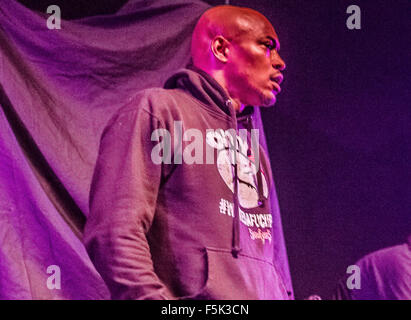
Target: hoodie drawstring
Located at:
point(236, 249)
point(235, 244)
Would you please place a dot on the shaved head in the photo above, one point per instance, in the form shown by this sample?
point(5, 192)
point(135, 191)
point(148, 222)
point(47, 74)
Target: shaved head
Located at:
point(230, 22)
point(230, 43)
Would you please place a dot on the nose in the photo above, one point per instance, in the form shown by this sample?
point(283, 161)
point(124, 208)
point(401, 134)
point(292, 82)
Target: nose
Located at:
point(277, 62)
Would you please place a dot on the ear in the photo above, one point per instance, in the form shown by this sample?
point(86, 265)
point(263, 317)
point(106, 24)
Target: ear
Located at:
point(220, 48)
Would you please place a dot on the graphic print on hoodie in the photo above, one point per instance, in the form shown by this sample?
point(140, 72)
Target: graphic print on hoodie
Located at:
point(247, 169)
point(185, 231)
point(248, 190)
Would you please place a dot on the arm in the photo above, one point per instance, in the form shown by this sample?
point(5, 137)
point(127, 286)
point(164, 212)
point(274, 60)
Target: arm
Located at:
point(122, 203)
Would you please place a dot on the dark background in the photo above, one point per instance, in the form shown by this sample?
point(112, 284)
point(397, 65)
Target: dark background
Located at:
point(339, 134)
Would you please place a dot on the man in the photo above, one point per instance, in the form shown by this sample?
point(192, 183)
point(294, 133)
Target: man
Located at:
point(168, 221)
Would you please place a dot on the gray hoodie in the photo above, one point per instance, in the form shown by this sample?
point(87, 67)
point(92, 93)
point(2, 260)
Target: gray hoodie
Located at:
point(167, 220)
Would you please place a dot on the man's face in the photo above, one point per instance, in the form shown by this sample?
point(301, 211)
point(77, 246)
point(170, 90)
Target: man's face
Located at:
point(253, 68)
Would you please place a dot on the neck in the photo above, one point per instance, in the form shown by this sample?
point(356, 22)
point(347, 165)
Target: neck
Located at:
point(219, 77)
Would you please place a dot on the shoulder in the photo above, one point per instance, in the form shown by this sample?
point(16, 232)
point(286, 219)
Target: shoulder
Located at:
point(386, 254)
point(153, 107)
point(155, 101)
point(387, 260)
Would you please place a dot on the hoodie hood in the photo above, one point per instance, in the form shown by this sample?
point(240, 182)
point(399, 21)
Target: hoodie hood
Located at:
point(207, 90)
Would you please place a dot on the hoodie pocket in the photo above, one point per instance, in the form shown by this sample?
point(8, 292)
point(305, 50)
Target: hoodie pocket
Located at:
point(242, 278)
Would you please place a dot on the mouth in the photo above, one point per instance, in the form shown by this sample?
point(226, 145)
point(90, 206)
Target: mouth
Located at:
point(275, 87)
point(276, 81)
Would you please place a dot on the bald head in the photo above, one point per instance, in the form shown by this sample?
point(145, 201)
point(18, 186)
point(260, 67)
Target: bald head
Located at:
point(239, 48)
point(230, 22)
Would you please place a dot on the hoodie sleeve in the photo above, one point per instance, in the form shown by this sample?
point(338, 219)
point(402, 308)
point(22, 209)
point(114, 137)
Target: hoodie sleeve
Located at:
point(122, 203)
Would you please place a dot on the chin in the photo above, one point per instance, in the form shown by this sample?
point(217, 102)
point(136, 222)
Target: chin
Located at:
point(268, 100)
point(260, 98)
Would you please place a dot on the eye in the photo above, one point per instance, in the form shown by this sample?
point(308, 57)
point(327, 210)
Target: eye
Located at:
point(270, 45)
